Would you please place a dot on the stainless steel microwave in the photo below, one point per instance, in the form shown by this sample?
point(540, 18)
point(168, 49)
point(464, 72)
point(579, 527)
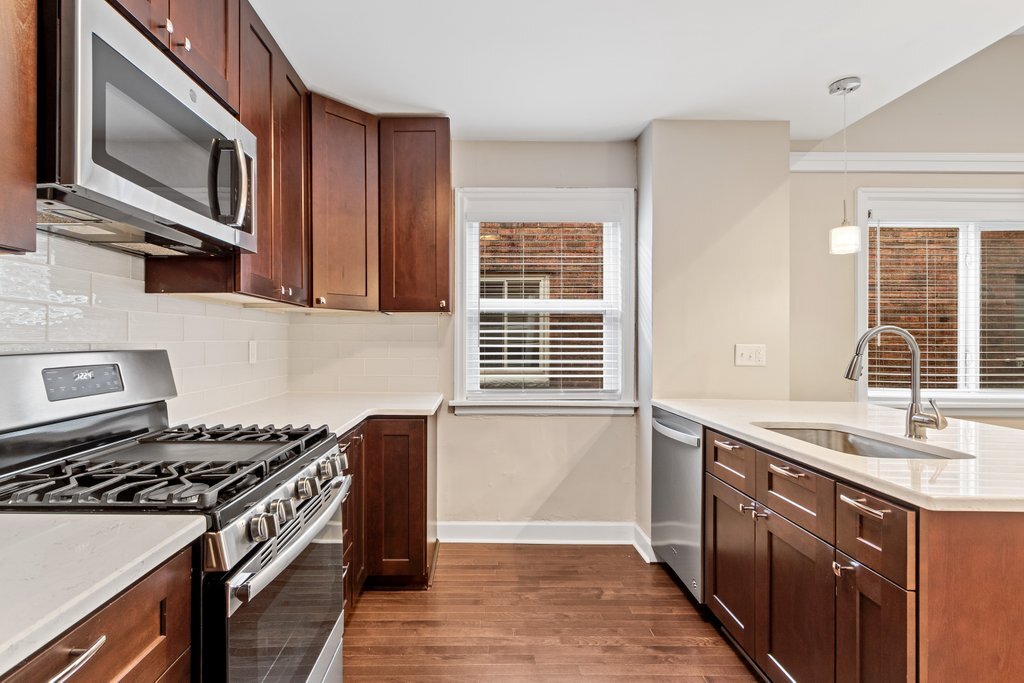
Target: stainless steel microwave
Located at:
point(133, 154)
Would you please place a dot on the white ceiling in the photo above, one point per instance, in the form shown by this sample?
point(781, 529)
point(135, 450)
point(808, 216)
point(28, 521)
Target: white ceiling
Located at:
point(601, 69)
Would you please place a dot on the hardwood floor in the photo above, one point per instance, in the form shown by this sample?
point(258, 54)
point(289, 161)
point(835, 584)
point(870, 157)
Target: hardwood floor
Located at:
point(538, 613)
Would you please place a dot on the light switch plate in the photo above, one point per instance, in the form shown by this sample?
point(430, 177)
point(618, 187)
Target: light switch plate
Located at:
point(252, 352)
point(751, 355)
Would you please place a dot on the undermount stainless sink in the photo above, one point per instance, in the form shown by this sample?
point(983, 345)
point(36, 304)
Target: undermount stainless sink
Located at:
point(855, 442)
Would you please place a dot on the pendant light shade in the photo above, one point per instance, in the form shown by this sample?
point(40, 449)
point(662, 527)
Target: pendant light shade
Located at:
point(844, 239)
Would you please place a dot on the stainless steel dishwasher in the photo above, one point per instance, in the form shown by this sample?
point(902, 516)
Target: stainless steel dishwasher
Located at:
point(677, 473)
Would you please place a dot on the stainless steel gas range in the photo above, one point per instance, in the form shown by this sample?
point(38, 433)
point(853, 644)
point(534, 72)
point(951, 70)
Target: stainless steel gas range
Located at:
point(88, 432)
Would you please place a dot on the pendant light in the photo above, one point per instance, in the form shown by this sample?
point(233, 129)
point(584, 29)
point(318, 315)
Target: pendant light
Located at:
point(844, 239)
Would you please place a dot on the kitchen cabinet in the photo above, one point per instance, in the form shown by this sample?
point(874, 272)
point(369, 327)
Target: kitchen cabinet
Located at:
point(800, 608)
point(354, 519)
point(142, 635)
point(415, 214)
point(874, 627)
point(795, 607)
point(18, 119)
point(203, 35)
point(401, 533)
point(344, 201)
point(730, 560)
point(273, 105)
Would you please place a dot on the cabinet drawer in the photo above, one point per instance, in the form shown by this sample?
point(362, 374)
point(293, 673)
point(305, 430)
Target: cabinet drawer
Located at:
point(731, 461)
point(877, 533)
point(143, 633)
point(803, 497)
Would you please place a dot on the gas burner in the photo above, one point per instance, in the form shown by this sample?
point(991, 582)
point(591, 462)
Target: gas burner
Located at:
point(234, 433)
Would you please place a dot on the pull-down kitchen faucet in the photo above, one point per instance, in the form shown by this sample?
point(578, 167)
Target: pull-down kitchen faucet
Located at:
point(917, 419)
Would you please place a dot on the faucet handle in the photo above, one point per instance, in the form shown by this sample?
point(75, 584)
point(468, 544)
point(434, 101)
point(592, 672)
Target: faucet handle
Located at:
point(940, 420)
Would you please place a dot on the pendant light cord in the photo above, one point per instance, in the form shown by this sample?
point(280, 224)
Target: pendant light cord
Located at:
point(846, 162)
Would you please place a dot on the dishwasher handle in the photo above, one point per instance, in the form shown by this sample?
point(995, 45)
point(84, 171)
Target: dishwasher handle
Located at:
point(676, 435)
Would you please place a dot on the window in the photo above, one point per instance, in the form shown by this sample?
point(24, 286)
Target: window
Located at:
point(949, 267)
point(546, 292)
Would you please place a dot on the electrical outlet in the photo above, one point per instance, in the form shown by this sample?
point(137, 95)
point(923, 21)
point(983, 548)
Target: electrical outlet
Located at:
point(751, 355)
point(252, 352)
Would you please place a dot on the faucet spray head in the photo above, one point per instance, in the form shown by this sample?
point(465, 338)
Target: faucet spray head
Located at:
point(855, 367)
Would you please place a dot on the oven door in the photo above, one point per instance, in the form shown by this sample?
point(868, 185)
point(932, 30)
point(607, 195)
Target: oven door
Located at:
point(285, 605)
point(149, 138)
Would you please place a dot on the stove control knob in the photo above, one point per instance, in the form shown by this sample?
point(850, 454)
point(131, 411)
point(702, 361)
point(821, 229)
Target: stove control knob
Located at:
point(306, 488)
point(328, 468)
point(283, 509)
point(263, 527)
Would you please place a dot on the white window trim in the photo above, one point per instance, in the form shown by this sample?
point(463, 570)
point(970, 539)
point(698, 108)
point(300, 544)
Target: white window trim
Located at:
point(959, 206)
point(547, 205)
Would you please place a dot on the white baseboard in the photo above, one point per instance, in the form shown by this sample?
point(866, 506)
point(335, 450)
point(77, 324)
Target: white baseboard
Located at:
point(552, 533)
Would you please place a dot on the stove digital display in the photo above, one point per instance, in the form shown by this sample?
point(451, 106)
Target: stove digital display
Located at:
point(83, 380)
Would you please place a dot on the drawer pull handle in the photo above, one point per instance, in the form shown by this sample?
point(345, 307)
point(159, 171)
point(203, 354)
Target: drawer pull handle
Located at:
point(858, 503)
point(785, 471)
point(838, 569)
point(344, 572)
point(727, 446)
point(81, 657)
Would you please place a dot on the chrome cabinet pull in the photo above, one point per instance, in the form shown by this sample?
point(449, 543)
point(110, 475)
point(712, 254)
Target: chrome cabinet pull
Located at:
point(838, 569)
point(444, 303)
point(761, 515)
point(747, 508)
point(168, 26)
point(187, 44)
point(321, 301)
point(81, 657)
point(785, 471)
point(727, 446)
point(858, 503)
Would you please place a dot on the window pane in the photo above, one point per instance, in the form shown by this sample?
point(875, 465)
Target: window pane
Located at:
point(913, 282)
point(567, 257)
point(1002, 309)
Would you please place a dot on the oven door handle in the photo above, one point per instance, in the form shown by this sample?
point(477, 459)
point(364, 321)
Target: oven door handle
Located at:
point(243, 587)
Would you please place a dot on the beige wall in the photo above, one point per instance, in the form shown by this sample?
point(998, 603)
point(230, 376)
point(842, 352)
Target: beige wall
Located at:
point(975, 106)
point(714, 230)
point(535, 468)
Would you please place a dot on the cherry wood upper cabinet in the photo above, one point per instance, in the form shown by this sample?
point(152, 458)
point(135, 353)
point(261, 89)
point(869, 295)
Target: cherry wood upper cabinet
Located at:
point(205, 39)
point(18, 125)
point(344, 207)
point(415, 214)
point(201, 34)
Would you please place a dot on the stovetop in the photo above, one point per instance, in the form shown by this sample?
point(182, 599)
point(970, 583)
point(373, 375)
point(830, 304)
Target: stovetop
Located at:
point(179, 469)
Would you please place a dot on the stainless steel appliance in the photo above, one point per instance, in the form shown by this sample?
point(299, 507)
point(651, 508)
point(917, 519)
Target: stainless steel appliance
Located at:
point(88, 432)
point(677, 498)
point(133, 154)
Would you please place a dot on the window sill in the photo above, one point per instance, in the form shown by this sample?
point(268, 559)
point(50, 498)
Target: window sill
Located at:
point(545, 408)
point(961, 406)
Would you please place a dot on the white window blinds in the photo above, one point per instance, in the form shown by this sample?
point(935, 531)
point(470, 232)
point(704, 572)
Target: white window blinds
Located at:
point(547, 296)
point(958, 286)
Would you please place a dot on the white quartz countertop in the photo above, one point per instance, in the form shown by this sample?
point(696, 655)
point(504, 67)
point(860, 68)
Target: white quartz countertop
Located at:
point(991, 480)
point(340, 412)
point(57, 569)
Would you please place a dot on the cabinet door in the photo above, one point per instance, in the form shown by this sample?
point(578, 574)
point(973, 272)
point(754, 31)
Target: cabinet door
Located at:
point(415, 214)
point(355, 506)
point(205, 39)
point(875, 627)
point(291, 126)
point(344, 206)
point(18, 120)
point(256, 272)
point(729, 559)
point(795, 602)
point(152, 14)
point(396, 488)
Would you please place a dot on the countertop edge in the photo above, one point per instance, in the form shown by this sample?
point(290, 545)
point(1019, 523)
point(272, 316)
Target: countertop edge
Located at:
point(974, 503)
point(38, 634)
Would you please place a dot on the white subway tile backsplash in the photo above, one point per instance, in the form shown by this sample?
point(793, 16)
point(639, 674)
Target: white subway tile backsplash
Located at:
point(203, 328)
point(362, 385)
point(43, 284)
point(86, 324)
point(389, 366)
point(81, 256)
point(122, 293)
point(22, 321)
point(413, 384)
point(155, 327)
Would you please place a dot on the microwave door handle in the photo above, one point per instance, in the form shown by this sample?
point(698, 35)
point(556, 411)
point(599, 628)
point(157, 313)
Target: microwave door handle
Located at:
point(244, 587)
point(213, 171)
point(243, 185)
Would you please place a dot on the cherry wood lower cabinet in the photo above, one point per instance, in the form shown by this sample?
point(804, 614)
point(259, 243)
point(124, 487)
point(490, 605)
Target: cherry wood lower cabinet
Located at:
point(415, 214)
point(142, 635)
point(730, 561)
point(875, 626)
point(18, 20)
point(354, 519)
point(795, 609)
